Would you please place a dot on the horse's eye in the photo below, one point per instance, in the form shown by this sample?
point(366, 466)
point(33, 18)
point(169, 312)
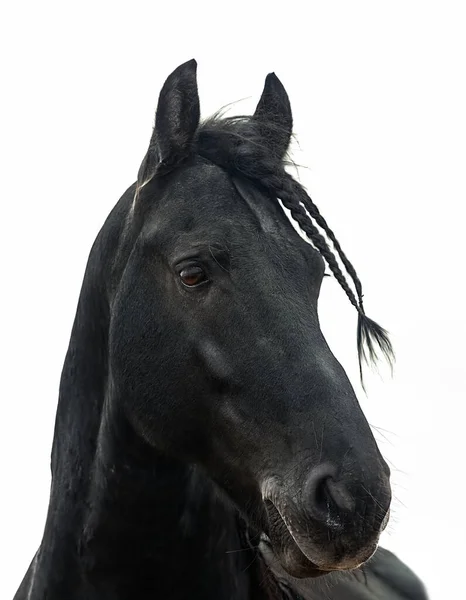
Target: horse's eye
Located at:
point(193, 276)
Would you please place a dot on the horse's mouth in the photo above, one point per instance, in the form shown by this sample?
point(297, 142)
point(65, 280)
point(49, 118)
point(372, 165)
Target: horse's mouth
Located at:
point(299, 555)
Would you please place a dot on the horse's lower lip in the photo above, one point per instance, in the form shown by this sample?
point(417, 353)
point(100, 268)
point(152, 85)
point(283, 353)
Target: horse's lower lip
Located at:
point(287, 550)
point(305, 568)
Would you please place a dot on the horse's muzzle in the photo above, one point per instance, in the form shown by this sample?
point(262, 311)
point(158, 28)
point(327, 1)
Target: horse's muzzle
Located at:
point(326, 523)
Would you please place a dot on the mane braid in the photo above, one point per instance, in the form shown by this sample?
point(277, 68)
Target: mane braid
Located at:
point(235, 144)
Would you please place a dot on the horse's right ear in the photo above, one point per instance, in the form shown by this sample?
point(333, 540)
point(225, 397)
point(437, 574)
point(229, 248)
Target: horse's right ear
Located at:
point(273, 115)
point(176, 121)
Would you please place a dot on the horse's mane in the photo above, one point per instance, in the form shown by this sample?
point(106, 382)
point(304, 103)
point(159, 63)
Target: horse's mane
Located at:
point(243, 147)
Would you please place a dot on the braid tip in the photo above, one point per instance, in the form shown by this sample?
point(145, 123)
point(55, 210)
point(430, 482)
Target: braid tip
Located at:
point(373, 340)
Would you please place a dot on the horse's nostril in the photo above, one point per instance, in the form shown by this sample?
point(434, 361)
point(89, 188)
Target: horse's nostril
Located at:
point(340, 495)
point(326, 497)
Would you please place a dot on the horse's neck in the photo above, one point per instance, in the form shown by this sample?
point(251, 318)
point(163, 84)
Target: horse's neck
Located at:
point(150, 528)
point(82, 388)
point(157, 528)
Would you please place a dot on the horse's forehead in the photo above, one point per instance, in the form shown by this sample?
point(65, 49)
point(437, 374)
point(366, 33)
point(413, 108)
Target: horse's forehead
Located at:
point(204, 193)
point(199, 182)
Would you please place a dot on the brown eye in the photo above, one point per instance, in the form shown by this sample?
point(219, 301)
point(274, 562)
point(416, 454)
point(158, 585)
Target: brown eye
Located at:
point(193, 276)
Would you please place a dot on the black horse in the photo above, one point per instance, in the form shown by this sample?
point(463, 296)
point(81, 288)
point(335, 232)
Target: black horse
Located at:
point(207, 444)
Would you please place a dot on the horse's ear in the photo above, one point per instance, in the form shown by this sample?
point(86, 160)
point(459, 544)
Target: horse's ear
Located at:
point(273, 114)
point(176, 121)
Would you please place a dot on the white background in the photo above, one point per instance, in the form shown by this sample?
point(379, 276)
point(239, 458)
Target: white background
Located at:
point(378, 93)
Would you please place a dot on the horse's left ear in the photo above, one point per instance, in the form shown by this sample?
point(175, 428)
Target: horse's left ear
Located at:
point(273, 115)
point(176, 121)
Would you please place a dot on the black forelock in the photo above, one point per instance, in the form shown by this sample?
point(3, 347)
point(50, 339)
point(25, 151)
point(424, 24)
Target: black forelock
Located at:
point(238, 145)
